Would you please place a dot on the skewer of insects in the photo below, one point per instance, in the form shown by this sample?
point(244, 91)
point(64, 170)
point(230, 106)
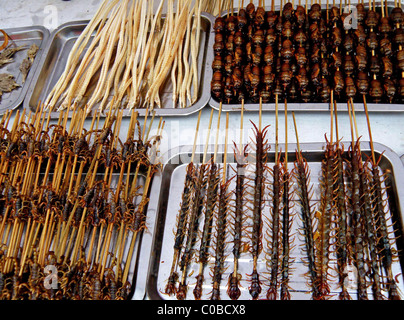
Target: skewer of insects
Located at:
point(182, 221)
point(240, 153)
point(221, 224)
point(279, 238)
point(261, 151)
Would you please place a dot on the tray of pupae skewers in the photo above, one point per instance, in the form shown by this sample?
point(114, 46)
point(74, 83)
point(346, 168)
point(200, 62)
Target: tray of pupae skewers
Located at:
point(278, 221)
point(74, 206)
point(128, 55)
point(301, 52)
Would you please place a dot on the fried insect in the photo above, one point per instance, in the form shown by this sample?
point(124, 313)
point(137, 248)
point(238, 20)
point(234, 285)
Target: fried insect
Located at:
point(233, 289)
point(221, 222)
point(193, 225)
point(304, 192)
point(211, 201)
point(324, 216)
point(261, 156)
point(275, 227)
point(181, 227)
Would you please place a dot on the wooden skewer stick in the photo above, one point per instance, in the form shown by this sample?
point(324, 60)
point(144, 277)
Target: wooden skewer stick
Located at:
point(369, 129)
point(276, 129)
point(217, 133)
point(286, 136)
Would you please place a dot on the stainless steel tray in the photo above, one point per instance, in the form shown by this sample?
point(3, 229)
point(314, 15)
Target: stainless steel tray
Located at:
point(61, 42)
point(294, 106)
point(25, 36)
point(172, 183)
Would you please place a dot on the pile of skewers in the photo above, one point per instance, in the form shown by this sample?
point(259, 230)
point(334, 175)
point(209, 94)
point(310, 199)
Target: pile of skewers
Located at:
point(251, 214)
point(73, 204)
point(302, 54)
point(128, 55)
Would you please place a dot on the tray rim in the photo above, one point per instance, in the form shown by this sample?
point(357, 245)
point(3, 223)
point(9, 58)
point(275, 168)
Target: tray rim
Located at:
point(31, 75)
point(152, 292)
point(202, 102)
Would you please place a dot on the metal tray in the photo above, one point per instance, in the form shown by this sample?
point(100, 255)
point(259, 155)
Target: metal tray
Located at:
point(25, 36)
point(172, 183)
point(299, 106)
point(61, 42)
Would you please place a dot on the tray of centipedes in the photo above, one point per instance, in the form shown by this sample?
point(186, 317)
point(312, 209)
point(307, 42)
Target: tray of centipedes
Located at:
point(305, 54)
point(275, 221)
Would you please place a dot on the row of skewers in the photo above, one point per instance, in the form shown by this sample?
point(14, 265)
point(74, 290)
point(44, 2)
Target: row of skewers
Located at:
point(245, 212)
point(303, 53)
point(73, 204)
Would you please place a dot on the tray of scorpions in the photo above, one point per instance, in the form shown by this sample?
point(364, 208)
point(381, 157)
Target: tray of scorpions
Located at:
point(328, 226)
point(303, 55)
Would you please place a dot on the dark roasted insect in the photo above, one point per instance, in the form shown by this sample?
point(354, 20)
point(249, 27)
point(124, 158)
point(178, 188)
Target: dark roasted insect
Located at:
point(350, 89)
point(343, 244)
point(275, 227)
point(268, 55)
point(261, 152)
point(386, 47)
point(217, 85)
point(324, 216)
point(211, 200)
point(357, 220)
point(218, 268)
point(383, 242)
point(300, 37)
point(233, 289)
point(300, 15)
point(362, 83)
point(376, 90)
point(370, 233)
point(270, 37)
point(286, 226)
point(302, 79)
point(287, 51)
point(193, 225)
point(390, 90)
point(304, 192)
point(181, 227)
point(300, 56)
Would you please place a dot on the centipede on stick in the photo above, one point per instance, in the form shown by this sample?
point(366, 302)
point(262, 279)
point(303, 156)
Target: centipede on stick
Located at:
point(274, 243)
point(379, 213)
point(304, 192)
point(221, 224)
point(261, 150)
point(343, 245)
point(233, 289)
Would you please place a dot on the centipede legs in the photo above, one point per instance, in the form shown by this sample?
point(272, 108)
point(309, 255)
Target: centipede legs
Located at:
point(234, 278)
point(256, 236)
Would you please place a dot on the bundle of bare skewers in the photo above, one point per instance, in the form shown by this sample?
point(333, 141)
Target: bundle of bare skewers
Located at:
point(130, 55)
point(73, 204)
point(303, 53)
point(255, 209)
